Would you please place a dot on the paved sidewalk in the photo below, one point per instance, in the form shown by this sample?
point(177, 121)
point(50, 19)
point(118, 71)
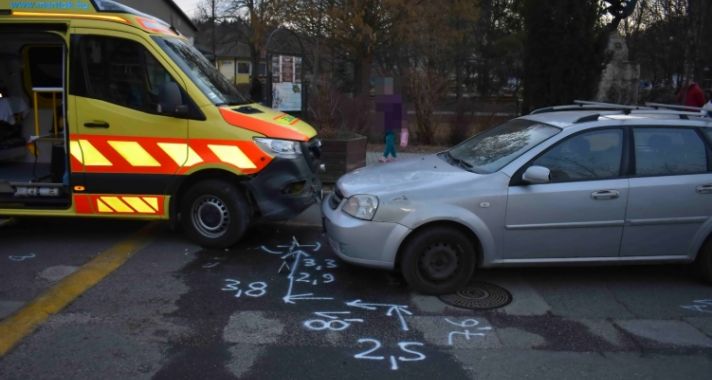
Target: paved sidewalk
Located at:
point(372, 157)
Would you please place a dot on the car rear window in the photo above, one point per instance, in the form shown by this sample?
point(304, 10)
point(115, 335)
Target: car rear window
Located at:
point(668, 151)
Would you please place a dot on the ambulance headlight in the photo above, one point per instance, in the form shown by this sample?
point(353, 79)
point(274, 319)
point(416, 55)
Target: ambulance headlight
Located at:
point(282, 148)
point(361, 206)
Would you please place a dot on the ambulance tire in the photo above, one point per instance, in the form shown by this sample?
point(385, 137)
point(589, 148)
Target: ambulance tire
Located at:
point(214, 213)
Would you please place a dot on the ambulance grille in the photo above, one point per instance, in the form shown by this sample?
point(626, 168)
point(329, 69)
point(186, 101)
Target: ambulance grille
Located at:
point(312, 153)
point(336, 199)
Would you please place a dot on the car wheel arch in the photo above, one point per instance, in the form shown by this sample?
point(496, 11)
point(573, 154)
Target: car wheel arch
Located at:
point(704, 234)
point(467, 231)
point(703, 259)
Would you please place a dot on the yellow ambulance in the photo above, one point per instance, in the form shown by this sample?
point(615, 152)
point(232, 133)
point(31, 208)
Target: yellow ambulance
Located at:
point(109, 112)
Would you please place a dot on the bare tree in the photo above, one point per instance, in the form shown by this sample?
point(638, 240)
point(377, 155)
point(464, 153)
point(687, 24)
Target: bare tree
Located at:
point(260, 18)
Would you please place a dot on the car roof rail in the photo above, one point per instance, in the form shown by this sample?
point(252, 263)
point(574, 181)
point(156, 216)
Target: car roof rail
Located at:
point(586, 105)
point(588, 118)
point(609, 105)
point(683, 112)
point(573, 107)
point(673, 107)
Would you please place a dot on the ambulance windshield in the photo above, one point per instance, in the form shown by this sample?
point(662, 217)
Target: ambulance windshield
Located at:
point(210, 81)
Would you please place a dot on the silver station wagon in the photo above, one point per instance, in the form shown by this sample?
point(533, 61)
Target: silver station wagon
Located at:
point(589, 183)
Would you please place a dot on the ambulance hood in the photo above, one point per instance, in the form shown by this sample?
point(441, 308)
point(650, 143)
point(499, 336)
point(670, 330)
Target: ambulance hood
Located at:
point(267, 121)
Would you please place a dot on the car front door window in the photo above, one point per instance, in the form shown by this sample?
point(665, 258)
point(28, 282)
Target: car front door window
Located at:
point(586, 156)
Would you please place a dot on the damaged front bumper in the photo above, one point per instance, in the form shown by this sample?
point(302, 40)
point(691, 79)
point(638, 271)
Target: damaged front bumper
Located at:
point(287, 186)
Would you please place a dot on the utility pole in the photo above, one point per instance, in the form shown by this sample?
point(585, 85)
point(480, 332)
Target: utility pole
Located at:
point(212, 20)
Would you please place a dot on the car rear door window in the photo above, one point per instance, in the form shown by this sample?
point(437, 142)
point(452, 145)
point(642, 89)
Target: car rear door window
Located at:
point(669, 151)
point(708, 132)
point(585, 156)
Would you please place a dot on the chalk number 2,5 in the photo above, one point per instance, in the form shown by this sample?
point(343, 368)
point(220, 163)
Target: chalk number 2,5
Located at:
point(406, 347)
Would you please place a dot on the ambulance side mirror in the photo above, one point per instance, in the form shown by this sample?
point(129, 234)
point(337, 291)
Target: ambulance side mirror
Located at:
point(170, 101)
point(181, 110)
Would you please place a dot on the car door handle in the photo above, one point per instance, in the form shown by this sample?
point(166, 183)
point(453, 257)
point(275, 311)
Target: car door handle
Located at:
point(605, 194)
point(704, 189)
point(96, 124)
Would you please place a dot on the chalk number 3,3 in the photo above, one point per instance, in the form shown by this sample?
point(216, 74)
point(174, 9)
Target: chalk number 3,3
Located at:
point(404, 346)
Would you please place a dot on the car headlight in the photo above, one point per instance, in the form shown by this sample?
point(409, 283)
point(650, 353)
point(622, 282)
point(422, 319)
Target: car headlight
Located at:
point(282, 148)
point(361, 206)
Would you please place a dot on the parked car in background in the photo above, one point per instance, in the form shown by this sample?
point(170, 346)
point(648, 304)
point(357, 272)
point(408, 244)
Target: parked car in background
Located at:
point(580, 184)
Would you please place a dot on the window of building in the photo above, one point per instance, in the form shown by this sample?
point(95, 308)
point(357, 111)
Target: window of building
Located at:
point(243, 68)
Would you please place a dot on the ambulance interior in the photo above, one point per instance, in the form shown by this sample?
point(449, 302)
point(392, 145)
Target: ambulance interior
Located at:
point(33, 144)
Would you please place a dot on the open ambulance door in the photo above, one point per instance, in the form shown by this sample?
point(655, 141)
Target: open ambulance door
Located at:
point(33, 123)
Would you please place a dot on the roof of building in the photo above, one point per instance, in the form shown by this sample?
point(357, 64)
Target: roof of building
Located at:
point(182, 14)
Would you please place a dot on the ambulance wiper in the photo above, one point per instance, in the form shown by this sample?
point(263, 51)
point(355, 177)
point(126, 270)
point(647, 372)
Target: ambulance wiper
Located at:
point(234, 104)
point(242, 103)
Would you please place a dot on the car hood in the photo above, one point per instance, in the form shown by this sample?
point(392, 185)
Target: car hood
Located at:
point(408, 176)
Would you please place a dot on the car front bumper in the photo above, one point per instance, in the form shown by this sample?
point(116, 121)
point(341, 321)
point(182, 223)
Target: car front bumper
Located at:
point(362, 242)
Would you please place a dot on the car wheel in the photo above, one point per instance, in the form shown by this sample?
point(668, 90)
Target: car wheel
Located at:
point(438, 260)
point(214, 214)
point(704, 261)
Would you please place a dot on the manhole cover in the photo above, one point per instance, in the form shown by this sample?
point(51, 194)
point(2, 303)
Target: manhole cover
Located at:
point(478, 296)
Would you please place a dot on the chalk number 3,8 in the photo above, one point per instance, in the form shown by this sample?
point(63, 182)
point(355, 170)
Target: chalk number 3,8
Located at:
point(255, 289)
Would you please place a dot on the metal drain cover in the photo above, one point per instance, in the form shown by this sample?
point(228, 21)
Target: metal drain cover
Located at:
point(479, 296)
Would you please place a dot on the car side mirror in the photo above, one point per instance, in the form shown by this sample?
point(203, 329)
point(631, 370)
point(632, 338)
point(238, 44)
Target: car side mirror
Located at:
point(536, 175)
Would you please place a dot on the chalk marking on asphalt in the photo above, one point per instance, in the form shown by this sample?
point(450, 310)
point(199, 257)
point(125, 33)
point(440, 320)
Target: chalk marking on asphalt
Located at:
point(21, 324)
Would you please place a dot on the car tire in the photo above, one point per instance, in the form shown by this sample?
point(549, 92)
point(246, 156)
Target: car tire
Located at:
point(704, 260)
point(214, 213)
point(438, 260)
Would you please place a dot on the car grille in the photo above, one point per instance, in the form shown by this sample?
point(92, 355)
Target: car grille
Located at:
point(335, 199)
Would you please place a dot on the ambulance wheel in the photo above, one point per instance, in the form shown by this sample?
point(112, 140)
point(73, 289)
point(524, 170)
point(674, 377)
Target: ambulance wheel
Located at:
point(214, 213)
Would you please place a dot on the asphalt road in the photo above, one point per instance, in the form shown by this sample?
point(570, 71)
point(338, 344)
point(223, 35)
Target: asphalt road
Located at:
point(280, 305)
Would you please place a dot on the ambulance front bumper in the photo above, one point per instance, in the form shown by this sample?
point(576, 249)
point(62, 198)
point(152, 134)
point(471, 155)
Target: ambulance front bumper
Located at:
point(285, 188)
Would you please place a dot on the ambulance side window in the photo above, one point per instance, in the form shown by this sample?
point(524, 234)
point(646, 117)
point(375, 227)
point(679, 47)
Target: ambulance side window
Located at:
point(125, 73)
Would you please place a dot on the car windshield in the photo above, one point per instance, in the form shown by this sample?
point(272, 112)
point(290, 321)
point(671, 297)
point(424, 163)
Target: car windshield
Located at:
point(491, 150)
point(208, 79)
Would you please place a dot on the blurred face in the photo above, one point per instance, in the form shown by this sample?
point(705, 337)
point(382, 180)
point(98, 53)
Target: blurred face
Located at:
point(384, 86)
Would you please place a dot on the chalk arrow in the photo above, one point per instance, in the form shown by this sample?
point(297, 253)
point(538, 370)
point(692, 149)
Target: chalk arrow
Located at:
point(284, 265)
point(398, 310)
point(360, 305)
point(271, 252)
point(298, 254)
point(304, 297)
